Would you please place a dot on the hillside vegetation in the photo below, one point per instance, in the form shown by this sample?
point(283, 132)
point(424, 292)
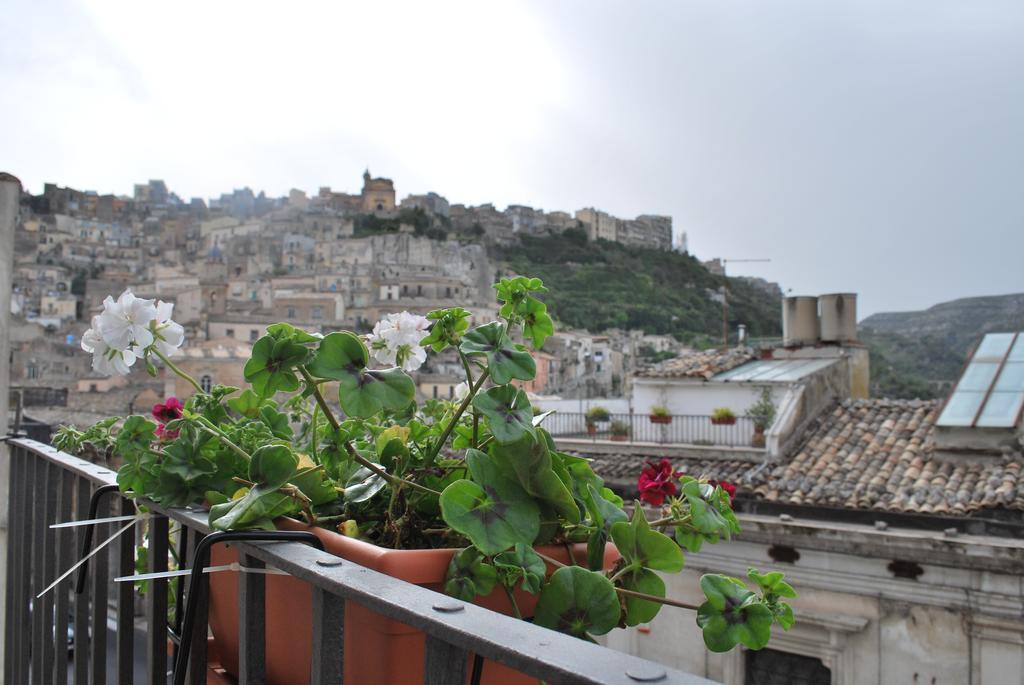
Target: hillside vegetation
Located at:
point(600, 285)
point(921, 354)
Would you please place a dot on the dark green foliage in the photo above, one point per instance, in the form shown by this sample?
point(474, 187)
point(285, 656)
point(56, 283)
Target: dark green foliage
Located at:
point(598, 285)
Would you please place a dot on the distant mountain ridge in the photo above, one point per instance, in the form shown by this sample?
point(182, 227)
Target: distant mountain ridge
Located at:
point(921, 354)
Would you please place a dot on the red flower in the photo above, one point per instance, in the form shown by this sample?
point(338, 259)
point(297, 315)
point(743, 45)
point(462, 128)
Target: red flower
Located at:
point(164, 435)
point(656, 482)
point(168, 411)
point(725, 485)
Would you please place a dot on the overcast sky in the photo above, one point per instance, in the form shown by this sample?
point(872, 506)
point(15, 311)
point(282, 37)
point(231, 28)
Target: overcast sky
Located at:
point(873, 147)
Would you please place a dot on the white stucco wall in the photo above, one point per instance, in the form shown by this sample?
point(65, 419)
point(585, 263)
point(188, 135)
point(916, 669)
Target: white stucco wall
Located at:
point(951, 626)
point(698, 398)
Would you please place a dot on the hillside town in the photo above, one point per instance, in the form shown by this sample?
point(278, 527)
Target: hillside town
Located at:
point(333, 261)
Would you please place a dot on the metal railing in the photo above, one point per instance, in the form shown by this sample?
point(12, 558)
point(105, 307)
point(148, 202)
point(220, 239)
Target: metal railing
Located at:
point(677, 429)
point(48, 486)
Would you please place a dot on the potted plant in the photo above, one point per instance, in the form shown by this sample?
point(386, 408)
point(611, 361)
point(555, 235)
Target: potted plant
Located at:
point(660, 414)
point(471, 497)
point(594, 416)
point(762, 413)
point(723, 416)
point(619, 431)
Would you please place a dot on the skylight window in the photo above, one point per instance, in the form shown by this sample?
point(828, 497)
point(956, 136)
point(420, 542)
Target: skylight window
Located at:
point(990, 393)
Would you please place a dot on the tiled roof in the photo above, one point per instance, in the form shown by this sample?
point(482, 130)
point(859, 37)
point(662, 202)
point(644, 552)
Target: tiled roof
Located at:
point(700, 364)
point(867, 455)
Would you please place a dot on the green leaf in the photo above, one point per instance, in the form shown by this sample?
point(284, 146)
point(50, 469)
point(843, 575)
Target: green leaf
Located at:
point(603, 514)
point(508, 411)
point(505, 359)
point(646, 548)
point(732, 614)
point(362, 392)
point(537, 324)
point(272, 465)
point(578, 602)
point(469, 575)
point(247, 404)
point(642, 610)
point(524, 564)
point(185, 461)
point(362, 485)
point(276, 421)
point(285, 331)
point(257, 508)
point(271, 367)
point(531, 462)
point(493, 511)
point(449, 325)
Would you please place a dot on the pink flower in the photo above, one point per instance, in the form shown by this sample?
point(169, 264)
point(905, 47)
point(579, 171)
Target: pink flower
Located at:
point(168, 411)
point(656, 482)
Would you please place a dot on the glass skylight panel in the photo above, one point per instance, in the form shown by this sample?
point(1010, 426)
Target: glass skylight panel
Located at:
point(978, 376)
point(962, 408)
point(1001, 410)
point(1017, 353)
point(994, 346)
point(1011, 378)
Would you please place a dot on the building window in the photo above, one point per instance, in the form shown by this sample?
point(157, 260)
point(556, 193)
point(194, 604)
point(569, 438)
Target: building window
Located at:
point(206, 383)
point(32, 371)
point(92, 387)
point(451, 392)
point(318, 312)
point(254, 335)
point(435, 392)
point(291, 312)
point(419, 290)
point(230, 332)
point(771, 666)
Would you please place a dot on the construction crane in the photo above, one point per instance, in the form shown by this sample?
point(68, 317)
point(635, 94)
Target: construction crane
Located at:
point(725, 297)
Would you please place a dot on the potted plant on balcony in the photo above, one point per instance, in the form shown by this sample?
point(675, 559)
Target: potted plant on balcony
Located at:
point(471, 497)
point(594, 416)
point(660, 414)
point(619, 431)
point(723, 416)
point(762, 413)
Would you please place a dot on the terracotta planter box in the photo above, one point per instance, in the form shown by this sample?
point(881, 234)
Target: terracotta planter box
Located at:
point(758, 439)
point(591, 429)
point(660, 419)
point(724, 422)
point(620, 438)
point(377, 649)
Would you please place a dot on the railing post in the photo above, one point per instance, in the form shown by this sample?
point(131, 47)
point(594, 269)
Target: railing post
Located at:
point(10, 200)
point(156, 603)
point(126, 601)
point(445, 664)
point(100, 578)
point(40, 625)
point(82, 600)
point(252, 663)
point(328, 638)
point(64, 538)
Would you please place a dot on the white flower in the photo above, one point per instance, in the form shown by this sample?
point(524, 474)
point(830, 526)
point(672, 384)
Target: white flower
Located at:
point(396, 340)
point(106, 359)
point(168, 335)
point(461, 390)
point(125, 323)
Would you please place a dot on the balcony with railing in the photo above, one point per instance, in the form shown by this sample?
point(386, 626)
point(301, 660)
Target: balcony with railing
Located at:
point(674, 429)
point(84, 629)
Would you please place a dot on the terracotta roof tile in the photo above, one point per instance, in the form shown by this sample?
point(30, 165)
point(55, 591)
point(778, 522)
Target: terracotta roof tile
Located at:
point(700, 364)
point(866, 454)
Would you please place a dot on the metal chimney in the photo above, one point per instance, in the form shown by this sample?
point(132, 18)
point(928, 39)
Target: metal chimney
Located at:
point(838, 317)
point(799, 321)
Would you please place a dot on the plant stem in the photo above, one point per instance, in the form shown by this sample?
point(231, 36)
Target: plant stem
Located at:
point(220, 435)
point(174, 367)
point(655, 598)
point(321, 402)
point(550, 560)
point(455, 419)
point(512, 600)
point(349, 448)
